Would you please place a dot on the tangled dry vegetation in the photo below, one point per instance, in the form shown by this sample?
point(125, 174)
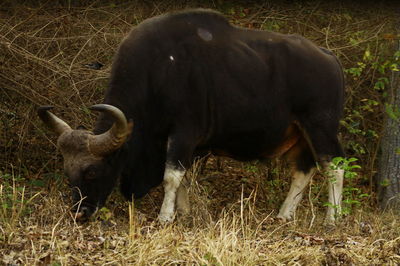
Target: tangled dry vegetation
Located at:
point(45, 50)
point(242, 232)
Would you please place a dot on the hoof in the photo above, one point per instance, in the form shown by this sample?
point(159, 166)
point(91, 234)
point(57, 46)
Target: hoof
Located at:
point(183, 211)
point(331, 219)
point(283, 219)
point(329, 223)
point(165, 218)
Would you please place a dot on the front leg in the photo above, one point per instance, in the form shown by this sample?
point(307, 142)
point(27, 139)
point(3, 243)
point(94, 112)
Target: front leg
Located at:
point(179, 157)
point(172, 181)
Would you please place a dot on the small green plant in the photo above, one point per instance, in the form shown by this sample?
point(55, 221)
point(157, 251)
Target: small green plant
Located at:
point(376, 67)
point(352, 196)
point(252, 167)
point(355, 72)
point(393, 111)
point(271, 25)
point(104, 214)
point(13, 201)
point(347, 165)
point(355, 126)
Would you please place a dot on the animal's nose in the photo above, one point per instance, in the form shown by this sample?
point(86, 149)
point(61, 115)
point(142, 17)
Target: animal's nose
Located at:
point(82, 214)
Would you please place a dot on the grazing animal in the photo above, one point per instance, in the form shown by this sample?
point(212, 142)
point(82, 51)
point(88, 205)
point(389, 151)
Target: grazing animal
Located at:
point(192, 83)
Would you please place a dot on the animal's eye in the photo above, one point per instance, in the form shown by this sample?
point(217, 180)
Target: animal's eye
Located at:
point(89, 173)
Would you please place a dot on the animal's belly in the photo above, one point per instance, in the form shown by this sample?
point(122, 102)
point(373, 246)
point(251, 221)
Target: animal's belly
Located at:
point(257, 146)
point(292, 136)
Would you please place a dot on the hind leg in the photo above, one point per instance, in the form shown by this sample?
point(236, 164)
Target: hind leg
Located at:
point(335, 187)
point(303, 167)
point(322, 138)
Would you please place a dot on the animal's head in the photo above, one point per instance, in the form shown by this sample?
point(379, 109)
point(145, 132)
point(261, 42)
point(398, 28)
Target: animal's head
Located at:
point(88, 157)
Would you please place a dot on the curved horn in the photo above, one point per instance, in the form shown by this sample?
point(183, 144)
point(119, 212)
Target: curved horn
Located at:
point(52, 121)
point(114, 138)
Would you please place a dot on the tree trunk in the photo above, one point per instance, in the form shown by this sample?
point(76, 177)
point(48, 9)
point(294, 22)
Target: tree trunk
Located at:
point(389, 164)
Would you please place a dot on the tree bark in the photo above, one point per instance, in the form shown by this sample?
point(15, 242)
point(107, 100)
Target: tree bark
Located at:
point(389, 164)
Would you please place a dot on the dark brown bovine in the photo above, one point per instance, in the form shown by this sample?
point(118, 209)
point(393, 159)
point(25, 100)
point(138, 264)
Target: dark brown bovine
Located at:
point(193, 83)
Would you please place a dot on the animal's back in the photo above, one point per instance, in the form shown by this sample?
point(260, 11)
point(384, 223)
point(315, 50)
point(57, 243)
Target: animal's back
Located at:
point(196, 61)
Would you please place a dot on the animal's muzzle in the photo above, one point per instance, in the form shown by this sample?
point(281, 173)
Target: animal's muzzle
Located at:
point(83, 213)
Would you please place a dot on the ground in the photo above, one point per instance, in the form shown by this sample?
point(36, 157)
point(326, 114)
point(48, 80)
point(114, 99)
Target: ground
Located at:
point(231, 222)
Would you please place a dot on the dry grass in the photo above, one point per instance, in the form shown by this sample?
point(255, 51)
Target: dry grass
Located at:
point(242, 233)
point(43, 52)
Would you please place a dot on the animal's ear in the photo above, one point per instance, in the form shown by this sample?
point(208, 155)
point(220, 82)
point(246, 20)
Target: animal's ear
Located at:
point(81, 127)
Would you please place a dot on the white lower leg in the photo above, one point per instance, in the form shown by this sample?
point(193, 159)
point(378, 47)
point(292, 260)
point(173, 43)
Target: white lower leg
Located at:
point(172, 180)
point(335, 187)
point(299, 182)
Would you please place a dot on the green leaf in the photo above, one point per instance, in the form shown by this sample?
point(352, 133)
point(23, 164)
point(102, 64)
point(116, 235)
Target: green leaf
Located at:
point(38, 183)
point(367, 55)
point(385, 182)
point(394, 67)
point(393, 112)
point(397, 55)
